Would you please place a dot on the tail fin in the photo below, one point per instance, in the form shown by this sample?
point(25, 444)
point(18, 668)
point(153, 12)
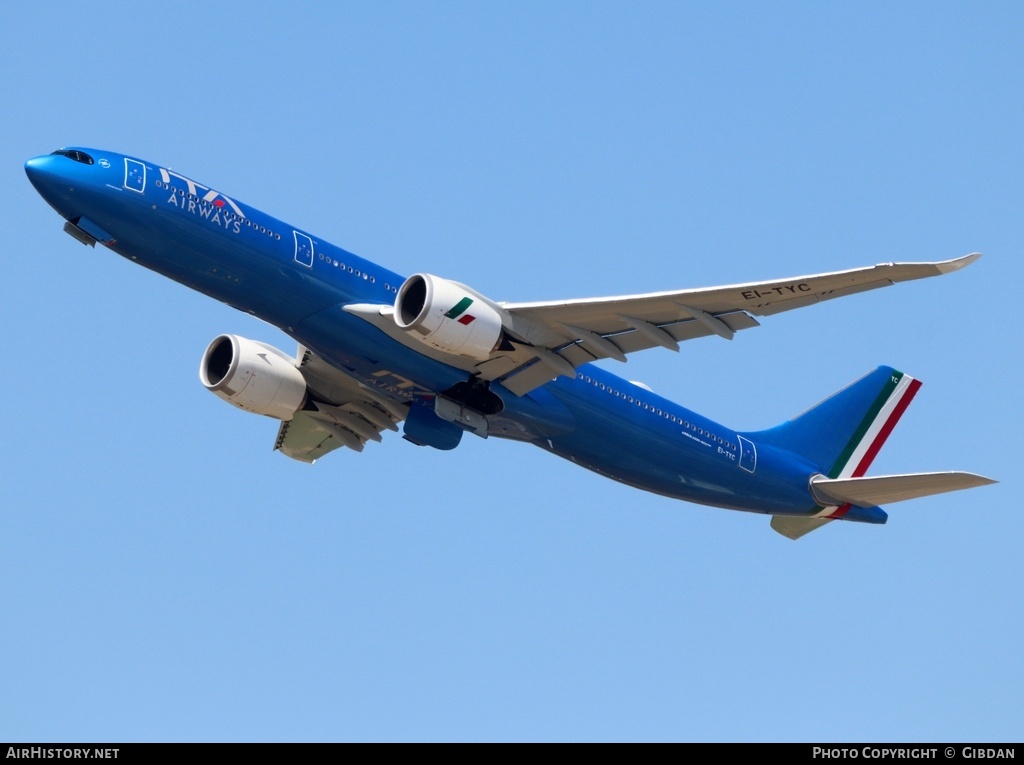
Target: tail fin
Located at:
point(841, 435)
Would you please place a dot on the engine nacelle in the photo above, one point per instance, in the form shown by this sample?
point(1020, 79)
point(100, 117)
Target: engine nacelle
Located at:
point(449, 316)
point(253, 376)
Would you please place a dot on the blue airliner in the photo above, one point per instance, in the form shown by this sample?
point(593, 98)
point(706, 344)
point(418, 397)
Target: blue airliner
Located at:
point(377, 349)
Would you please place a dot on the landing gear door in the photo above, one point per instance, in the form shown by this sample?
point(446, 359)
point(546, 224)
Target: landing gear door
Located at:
point(134, 175)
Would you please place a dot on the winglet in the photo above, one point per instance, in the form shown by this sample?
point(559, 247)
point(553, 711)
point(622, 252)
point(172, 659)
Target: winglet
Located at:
point(948, 266)
point(905, 272)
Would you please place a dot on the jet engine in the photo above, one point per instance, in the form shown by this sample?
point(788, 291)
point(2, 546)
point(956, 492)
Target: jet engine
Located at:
point(253, 376)
point(449, 316)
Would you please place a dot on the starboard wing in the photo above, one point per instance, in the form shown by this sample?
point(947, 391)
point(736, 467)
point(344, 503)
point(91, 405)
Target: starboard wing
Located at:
point(578, 331)
point(548, 339)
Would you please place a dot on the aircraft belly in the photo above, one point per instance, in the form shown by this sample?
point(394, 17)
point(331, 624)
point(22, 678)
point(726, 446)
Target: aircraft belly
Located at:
point(401, 373)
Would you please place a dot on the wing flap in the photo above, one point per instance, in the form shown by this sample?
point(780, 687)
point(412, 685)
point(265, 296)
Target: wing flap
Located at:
point(529, 377)
point(304, 440)
point(341, 412)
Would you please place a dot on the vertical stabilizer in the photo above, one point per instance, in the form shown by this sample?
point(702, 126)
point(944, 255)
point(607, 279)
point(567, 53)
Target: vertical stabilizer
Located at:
point(841, 437)
point(842, 434)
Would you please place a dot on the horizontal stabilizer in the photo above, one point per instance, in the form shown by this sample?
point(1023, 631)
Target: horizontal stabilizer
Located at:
point(882, 489)
point(795, 527)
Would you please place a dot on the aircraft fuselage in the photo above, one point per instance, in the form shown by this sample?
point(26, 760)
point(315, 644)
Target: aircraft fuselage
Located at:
point(301, 283)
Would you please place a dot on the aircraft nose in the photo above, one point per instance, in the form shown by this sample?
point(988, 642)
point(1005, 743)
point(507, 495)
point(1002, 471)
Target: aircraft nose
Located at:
point(40, 171)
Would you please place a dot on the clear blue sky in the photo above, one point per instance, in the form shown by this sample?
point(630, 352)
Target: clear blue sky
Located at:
point(166, 576)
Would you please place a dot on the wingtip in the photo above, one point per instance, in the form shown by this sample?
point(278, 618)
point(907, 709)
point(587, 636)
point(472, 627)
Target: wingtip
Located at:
point(956, 264)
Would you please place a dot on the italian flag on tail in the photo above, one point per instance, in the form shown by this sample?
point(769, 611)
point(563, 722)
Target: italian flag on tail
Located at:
point(867, 440)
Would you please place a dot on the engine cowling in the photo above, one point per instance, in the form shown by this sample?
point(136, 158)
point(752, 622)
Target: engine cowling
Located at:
point(449, 316)
point(253, 376)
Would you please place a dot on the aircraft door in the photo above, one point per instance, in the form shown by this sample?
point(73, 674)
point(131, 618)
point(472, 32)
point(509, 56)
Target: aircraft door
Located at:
point(748, 455)
point(303, 249)
point(134, 175)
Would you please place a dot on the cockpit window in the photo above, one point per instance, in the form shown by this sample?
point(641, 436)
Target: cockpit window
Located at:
point(78, 156)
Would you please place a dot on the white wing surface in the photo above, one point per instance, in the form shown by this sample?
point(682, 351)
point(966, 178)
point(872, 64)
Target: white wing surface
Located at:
point(549, 339)
point(579, 331)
